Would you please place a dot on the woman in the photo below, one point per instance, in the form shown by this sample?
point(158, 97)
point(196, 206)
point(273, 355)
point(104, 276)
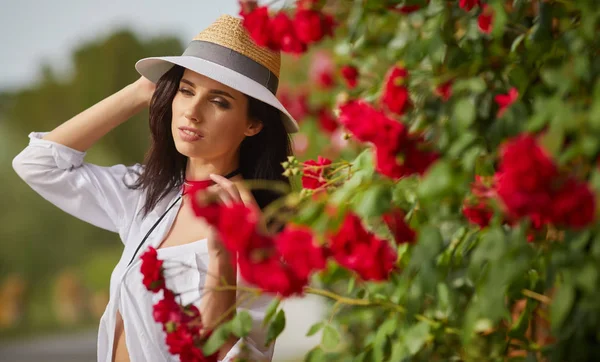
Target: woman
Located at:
point(213, 116)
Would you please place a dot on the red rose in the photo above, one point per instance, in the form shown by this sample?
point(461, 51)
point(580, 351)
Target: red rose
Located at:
point(444, 90)
point(321, 71)
point(506, 100)
point(479, 214)
point(210, 211)
point(399, 228)
point(395, 95)
point(271, 275)
point(327, 121)
point(355, 248)
point(467, 5)
point(574, 205)
point(237, 226)
point(258, 25)
point(314, 171)
point(350, 75)
point(387, 163)
point(179, 340)
point(280, 27)
point(167, 310)
point(296, 104)
point(530, 166)
point(404, 160)
point(152, 271)
point(392, 134)
point(416, 158)
point(298, 249)
point(524, 180)
point(486, 19)
point(360, 119)
point(310, 26)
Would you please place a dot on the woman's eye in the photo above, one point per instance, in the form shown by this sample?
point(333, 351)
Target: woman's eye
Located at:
point(186, 91)
point(221, 103)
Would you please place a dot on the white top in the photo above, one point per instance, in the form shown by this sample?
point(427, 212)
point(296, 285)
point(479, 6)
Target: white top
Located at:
point(99, 196)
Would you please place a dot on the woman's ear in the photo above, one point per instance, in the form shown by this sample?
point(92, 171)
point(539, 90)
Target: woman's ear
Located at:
point(254, 127)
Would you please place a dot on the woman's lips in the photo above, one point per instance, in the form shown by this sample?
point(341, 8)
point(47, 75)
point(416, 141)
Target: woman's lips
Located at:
point(189, 134)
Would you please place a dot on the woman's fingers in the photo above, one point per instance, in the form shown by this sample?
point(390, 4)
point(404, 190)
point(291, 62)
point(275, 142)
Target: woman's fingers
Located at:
point(227, 187)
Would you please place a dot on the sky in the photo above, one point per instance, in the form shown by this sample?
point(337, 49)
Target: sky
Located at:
point(37, 31)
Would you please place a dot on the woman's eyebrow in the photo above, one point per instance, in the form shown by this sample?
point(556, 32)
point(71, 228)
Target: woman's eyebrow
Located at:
point(188, 82)
point(213, 91)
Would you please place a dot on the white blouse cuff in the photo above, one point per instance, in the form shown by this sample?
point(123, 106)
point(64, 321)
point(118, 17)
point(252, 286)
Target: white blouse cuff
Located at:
point(65, 157)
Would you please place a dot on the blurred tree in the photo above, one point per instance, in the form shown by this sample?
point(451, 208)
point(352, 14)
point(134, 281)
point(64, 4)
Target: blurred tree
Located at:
point(37, 240)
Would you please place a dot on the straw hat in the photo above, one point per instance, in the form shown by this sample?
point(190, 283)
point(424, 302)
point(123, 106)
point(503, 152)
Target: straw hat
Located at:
point(225, 52)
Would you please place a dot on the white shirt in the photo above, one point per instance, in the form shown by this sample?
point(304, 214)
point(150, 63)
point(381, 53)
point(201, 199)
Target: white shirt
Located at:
point(99, 196)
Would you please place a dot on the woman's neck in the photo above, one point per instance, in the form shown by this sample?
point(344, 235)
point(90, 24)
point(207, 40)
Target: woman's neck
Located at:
point(198, 169)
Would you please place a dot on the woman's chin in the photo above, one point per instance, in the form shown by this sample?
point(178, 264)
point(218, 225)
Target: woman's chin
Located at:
point(187, 149)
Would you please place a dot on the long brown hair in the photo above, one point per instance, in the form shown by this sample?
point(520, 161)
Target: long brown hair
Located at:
point(260, 155)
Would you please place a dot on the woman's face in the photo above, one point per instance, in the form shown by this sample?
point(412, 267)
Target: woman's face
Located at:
point(210, 119)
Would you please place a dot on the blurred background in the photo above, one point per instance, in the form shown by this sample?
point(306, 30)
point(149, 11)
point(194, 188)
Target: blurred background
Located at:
point(59, 58)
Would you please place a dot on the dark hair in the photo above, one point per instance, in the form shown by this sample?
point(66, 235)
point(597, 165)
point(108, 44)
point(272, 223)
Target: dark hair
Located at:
point(261, 155)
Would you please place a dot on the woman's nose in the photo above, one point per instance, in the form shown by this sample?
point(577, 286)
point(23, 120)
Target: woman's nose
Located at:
point(192, 114)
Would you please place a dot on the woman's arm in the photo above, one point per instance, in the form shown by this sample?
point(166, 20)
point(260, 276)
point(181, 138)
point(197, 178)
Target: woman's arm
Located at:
point(53, 163)
point(86, 128)
point(215, 303)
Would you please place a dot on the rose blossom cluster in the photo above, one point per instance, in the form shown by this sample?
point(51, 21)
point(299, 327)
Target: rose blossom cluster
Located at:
point(397, 153)
point(283, 263)
point(277, 264)
point(530, 186)
point(182, 324)
point(290, 35)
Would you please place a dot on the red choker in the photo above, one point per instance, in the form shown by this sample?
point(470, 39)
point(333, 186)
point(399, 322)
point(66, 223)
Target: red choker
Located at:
point(191, 186)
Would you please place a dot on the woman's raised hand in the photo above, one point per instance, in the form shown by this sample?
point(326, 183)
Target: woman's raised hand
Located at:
point(144, 89)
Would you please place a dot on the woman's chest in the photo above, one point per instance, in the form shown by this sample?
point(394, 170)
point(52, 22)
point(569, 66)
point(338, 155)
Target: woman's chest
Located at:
point(186, 228)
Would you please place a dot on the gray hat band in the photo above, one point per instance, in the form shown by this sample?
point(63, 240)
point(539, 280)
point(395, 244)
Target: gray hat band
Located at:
point(233, 60)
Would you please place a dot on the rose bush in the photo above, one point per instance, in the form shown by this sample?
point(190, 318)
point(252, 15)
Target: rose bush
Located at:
point(458, 221)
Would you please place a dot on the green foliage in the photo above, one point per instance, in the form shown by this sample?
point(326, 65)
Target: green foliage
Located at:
point(462, 292)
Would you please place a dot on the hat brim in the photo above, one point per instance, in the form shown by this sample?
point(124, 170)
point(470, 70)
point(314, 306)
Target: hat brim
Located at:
point(155, 67)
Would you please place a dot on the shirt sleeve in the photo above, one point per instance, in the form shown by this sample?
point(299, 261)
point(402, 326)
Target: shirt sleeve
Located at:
point(253, 348)
point(95, 194)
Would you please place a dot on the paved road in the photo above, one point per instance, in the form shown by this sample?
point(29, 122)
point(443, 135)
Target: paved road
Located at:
point(291, 345)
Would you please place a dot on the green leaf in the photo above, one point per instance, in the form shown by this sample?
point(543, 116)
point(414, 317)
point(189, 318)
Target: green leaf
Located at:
point(271, 309)
point(351, 285)
point(428, 245)
point(276, 327)
point(216, 339)
point(561, 305)
point(587, 277)
point(464, 112)
point(241, 324)
point(375, 201)
point(381, 337)
point(315, 355)
point(315, 328)
point(331, 337)
point(437, 181)
point(516, 43)
point(416, 336)
point(553, 139)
